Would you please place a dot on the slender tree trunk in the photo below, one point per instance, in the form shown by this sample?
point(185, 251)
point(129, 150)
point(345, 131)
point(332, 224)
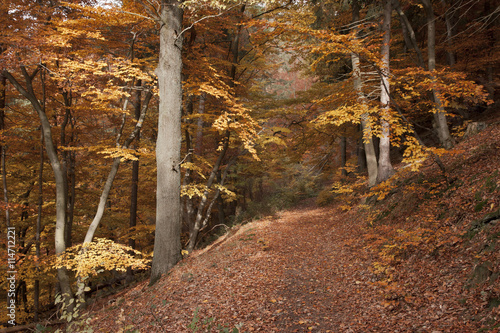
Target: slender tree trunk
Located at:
point(193, 234)
point(198, 147)
point(216, 196)
point(440, 114)
point(109, 183)
point(4, 186)
point(60, 245)
point(371, 158)
point(409, 33)
point(3, 148)
point(134, 187)
point(65, 159)
point(167, 245)
point(36, 296)
point(220, 201)
point(385, 169)
point(490, 67)
point(343, 155)
point(71, 198)
point(361, 155)
point(112, 173)
point(135, 172)
point(36, 291)
point(235, 49)
point(186, 201)
point(450, 34)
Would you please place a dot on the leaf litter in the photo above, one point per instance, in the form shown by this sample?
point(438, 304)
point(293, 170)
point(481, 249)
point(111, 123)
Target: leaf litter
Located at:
point(326, 269)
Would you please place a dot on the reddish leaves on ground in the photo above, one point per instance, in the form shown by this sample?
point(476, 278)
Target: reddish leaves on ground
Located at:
point(325, 270)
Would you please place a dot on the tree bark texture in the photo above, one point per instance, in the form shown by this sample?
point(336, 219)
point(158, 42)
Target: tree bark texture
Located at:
point(385, 169)
point(167, 244)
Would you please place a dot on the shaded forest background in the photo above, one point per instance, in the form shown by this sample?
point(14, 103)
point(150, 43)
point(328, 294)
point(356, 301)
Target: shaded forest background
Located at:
point(282, 101)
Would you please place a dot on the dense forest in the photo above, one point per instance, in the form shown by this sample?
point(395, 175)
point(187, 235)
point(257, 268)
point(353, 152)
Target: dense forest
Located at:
point(139, 139)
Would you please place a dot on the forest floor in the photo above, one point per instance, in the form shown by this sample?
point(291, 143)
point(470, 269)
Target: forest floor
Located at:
point(425, 258)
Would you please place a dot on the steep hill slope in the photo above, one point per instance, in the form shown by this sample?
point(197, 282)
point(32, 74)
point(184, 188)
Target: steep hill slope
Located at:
point(425, 258)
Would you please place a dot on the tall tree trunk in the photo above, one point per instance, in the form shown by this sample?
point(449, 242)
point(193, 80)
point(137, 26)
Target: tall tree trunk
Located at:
point(135, 171)
point(4, 186)
point(409, 33)
point(114, 170)
point(36, 292)
point(450, 34)
point(3, 148)
point(134, 187)
point(385, 169)
point(360, 152)
point(60, 244)
point(490, 67)
point(440, 115)
point(371, 158)
point(186, 201)
point(198, 147)
point(65, 159)
point(71, 194)
point(109, 183)
point(235, 49)
point(167, 245)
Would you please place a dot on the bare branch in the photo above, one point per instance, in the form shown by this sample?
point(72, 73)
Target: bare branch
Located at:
point(205, 18)
point(139, 15)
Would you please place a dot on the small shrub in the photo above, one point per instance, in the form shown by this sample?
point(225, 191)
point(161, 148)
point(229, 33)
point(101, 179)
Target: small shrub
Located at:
point(325, 197)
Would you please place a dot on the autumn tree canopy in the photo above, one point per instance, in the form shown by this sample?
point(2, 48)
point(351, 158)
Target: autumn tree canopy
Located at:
point(157, 124)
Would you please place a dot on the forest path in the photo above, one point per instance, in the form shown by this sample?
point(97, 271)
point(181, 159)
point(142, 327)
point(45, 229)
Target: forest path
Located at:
point(327, 279)
point(297, 271)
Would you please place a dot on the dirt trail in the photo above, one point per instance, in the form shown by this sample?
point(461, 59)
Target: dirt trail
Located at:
point(304, 270)
point(292, 273)
point(327, 283)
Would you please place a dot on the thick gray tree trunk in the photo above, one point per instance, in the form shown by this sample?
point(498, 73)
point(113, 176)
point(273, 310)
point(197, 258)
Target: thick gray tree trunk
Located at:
point(385, 169)
point(167, 245)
